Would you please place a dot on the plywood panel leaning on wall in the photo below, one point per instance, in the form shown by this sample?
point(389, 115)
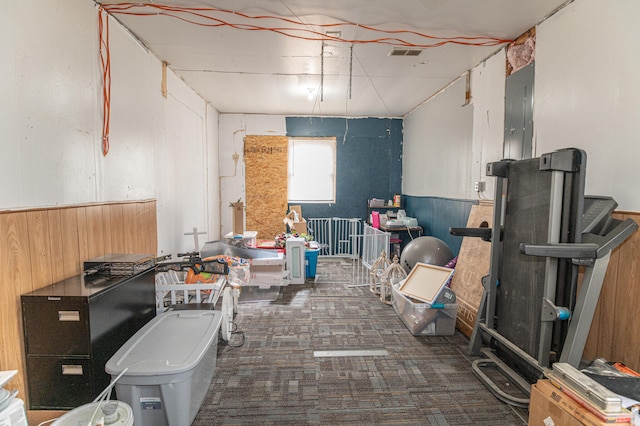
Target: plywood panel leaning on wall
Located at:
point(473, 264)
point(266, 159)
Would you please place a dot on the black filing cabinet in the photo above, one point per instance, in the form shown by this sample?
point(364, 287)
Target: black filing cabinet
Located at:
point(73, 327)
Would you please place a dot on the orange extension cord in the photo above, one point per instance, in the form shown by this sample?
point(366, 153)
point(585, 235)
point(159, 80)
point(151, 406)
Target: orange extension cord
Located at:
point(105, 61)
point(206, 18)
point(203, 16)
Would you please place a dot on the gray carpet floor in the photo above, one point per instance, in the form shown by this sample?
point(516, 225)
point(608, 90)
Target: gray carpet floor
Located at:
point(276, 377)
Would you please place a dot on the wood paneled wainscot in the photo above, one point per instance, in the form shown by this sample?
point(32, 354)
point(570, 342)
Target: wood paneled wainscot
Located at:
point(615, 329)
point(42, 246)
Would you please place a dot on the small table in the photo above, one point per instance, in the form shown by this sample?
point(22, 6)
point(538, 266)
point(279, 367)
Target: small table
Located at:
point(409, 230)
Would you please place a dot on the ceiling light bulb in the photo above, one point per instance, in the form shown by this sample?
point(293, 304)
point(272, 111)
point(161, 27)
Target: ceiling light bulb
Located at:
point(311, 93)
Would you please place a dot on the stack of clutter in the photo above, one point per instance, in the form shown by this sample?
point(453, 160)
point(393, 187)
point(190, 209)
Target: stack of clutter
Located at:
point(258, 274)
point(570, 396)
point(295, 222)
point(11, 408)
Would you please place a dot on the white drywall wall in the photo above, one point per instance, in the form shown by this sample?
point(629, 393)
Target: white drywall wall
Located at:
point(586, 95)
point(127, 171)
point(182, 172)
point(587, 92)
point(233, 128)
point(51, 115)
point(487, 97)
point(48, 112)
point(436, 153)
point(212, 186)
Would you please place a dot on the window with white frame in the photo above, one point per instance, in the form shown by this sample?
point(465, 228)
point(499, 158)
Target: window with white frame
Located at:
point(312, 170)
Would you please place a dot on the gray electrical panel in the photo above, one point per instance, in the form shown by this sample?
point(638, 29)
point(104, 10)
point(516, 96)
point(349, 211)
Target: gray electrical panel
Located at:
point(518, 111)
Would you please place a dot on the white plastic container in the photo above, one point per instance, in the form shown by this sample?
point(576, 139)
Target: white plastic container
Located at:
point(247, 239)
point(14, 414)
point(267, 271)
point(93, 414)
point(12, 411)
point(424, 319)
point(267, 277)
point(170, 364)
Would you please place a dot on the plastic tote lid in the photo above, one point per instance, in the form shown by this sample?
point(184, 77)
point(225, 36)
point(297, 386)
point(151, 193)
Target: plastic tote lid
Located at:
point(172, 342)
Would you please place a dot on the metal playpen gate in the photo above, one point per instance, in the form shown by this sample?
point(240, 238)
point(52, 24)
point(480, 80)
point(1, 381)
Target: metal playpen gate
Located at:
point(350, 238)
point(370, 244)
point(335, 235)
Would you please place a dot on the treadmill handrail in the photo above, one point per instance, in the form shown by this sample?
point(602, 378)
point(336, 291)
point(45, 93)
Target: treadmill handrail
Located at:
point(594, 247)
point(621, 230)
point(561, 250)
point(484, 233)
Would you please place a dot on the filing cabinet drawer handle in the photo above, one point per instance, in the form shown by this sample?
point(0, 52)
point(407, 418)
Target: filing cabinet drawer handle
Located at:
point(72, 370)
point(68, 316)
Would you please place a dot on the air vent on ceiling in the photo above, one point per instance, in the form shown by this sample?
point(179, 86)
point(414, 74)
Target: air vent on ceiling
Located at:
point(405, 52)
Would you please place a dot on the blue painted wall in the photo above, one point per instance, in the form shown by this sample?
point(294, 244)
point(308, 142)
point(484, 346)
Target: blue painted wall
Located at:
point(369, 164)
point(369, 161)
point(436, 215)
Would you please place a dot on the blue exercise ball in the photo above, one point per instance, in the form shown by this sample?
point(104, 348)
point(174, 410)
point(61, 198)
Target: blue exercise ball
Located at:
point(429, 250)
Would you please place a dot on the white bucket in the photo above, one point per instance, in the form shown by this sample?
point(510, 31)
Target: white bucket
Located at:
point(122, 416)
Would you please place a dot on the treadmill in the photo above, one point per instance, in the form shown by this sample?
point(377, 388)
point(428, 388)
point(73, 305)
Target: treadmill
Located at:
point(531, 313)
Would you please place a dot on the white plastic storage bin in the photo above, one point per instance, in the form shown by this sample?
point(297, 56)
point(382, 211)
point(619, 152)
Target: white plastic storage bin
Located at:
point(260, 279)
point(247, 239)
point(423, 319)
point(252, 293)
point(269, 271)
point(267, 276)
point(170, 364)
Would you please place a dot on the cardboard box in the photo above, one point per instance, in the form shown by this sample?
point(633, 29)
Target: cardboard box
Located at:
point(550, 407)
point(238, 218)
point(295, 221)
